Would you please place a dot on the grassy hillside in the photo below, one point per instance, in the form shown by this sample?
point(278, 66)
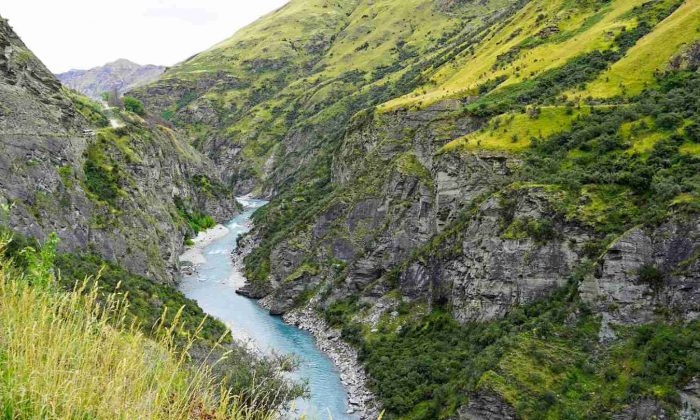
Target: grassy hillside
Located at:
point(74, 355)
point(545, 35)
point(151, 311)
point(306, 67)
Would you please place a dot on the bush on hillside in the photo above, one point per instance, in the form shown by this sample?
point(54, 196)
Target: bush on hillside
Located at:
point(132, 104)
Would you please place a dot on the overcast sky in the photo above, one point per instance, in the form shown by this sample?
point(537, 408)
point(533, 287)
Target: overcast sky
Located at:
point(68, 34)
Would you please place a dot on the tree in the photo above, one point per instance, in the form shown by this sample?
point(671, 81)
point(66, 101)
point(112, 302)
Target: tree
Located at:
point(113, 99)
point(132, 104)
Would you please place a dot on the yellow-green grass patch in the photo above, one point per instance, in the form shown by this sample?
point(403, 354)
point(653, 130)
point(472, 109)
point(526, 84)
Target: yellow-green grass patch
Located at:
point(512, 131)
point(651, 54)
point(463, 76)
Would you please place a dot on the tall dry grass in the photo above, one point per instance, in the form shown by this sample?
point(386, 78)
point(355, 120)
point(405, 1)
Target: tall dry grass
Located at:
point(70, 355)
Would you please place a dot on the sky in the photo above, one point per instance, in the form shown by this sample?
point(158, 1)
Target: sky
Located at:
point(81, 34)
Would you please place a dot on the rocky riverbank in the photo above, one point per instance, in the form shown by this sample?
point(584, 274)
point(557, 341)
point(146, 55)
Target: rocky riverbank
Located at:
point(328, 340)
point(343, 355)
point(193, 253)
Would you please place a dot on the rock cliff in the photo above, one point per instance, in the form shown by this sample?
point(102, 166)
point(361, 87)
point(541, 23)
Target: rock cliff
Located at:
point(104, 190)
point(649, 273)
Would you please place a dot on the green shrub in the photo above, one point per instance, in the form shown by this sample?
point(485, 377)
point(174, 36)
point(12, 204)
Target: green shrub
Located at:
point(102, 175)
point(134, 105)
point(196, 220)
point(669, 121)
point(693, 132)
point(651, 275)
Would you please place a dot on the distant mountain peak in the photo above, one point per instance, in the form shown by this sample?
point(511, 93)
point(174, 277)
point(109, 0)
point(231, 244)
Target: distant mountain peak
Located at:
point(121, 74)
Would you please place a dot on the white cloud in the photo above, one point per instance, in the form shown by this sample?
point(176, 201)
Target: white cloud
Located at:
point(86, 33)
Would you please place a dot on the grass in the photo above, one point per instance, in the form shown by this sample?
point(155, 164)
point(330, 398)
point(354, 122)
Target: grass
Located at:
point(408, 164)
point(636, 70)
point(641, 135)
point(469, 71)
point(512, 132)
point(690, 148)
point(71, 355)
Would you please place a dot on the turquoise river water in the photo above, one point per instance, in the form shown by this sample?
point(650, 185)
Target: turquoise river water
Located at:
point(213, 286)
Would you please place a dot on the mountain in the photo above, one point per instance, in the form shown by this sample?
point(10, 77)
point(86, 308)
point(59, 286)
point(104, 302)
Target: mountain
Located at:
point(122, 75)
point(100, 188)
point(96, 206)
point(495, 202)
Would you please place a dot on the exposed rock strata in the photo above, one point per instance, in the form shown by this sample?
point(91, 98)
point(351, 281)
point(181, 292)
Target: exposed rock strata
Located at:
point(486, 406)
point(649, 273)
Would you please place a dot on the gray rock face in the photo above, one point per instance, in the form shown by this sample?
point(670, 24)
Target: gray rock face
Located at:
point(644, 409)
point(410, 195)
point(397, 192)
point(44, 148)
point(690, 401)
point(195, 108)
point(491, 271)
point(648, 273)
point(486, 406)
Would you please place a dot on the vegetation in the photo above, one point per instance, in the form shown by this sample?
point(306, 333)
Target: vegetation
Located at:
point(599, 153)
point(197, 221)
point(90, 109)
point(132, 104)
point(72, 355)
point(543, 358)
point(102, 174)
point(147, 299)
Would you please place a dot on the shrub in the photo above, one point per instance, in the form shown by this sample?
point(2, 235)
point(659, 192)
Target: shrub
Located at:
point(652, 276)
point(669, 121)
point(132, 104)
point(197, 221)
point(693, 132)
point(102, 176)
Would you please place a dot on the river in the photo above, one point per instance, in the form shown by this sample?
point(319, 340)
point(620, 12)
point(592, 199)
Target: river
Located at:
point(213, 286)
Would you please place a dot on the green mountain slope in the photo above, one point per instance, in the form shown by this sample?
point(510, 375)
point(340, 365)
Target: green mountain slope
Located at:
point(310, 64)
point(496, 202)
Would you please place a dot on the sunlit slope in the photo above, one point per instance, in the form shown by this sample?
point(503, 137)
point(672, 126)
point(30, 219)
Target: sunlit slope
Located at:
point(544, 35)
point(310, 62)
point(650, 55)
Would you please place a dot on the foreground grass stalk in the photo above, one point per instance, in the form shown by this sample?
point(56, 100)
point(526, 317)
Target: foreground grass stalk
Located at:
point(71, 355)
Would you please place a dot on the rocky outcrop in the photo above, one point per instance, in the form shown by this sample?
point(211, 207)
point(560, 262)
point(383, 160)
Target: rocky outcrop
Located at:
point(515, 249)
point(649, 273)
point(486, 405)
point(643, 409)
point(398, 192)
point(49, 186)
point(690, 401)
